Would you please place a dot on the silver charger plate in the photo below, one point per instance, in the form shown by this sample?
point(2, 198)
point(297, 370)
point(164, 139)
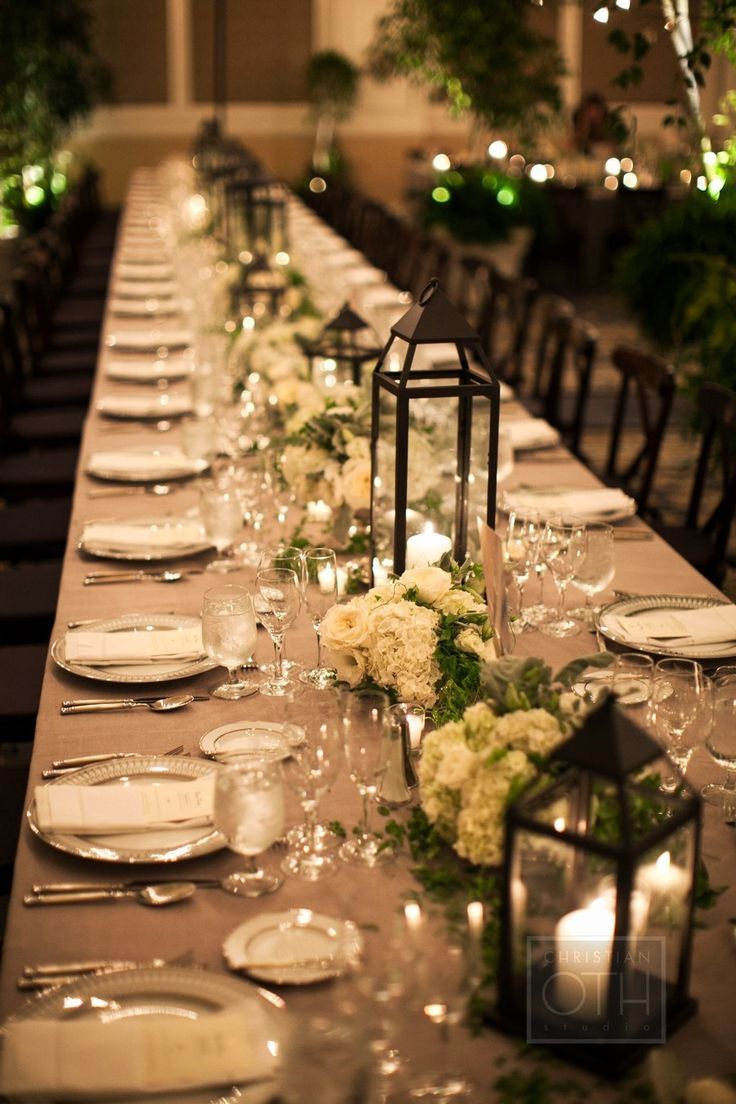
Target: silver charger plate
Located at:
point(152, 846)
point(167, 462)
point(141, 553)
point(163, 991)
point(292, 938)
point(166, 671)
point(629, 607)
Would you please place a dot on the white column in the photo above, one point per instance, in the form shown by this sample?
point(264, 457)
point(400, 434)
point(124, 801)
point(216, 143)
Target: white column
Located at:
point(570, 38)
point(179, 51)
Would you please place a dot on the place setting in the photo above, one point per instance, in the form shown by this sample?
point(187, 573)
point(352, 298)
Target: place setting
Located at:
point(149, 369)
point(148, 539)
point(135, 407)
point(144, 464)
point(148, 341)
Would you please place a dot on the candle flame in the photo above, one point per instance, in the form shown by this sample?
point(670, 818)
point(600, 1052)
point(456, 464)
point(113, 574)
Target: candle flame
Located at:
point(428, 527)
point(663, 862)
point(559, 824)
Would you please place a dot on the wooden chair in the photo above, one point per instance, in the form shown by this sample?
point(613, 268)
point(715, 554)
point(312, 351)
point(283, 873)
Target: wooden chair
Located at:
point(563, 370)
point(648, 385)
point(504, 324)
point(703, 539)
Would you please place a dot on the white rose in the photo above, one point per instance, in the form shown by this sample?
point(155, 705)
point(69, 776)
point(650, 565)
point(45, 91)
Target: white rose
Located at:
point(350, 667)
point(346, 626)
point(356, 483)
point(358, 448)
point(432, 583)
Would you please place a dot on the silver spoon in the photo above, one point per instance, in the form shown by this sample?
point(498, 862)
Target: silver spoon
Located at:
point(167, 893)
point(160, 705)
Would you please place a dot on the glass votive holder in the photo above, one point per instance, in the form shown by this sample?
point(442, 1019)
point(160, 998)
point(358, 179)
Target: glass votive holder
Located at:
point(198, 437)
point(414, 715)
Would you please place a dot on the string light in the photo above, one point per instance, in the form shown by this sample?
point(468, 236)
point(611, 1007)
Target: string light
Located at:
point(441, 162)
point(601, 15)
point(498, 149)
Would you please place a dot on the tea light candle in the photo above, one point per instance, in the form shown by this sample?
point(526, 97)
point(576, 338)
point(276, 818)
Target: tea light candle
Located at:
point(584, 939)
point(426, 548)
point(476, 920)
point(664, 878)
point(319, 511)
point(413, 917)
point(380, 572)
point(326, 579)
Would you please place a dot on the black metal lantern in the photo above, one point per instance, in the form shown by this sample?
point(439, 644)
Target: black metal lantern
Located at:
point(597, 920)
point(434, 438)
point(255, 217)
point(260, 289)
point(342, 348)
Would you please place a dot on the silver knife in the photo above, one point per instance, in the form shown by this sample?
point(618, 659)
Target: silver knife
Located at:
point(129, 883)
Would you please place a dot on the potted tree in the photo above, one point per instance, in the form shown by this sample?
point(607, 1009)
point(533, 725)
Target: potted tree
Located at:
point(332, 88)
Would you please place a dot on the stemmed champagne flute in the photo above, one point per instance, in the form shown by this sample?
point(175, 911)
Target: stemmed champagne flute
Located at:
point(682, 703)
point(229, 635)
point(310, 771)
point(249, 811)
point(278, 556)
point(563, 547)
point(320, 594)
point(279, 598)
point(365, 723)
point(519, 552)
point(222, 520)
point(721, 744)
point(597, 570)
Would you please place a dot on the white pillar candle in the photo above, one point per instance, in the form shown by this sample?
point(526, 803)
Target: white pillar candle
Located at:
point(584, 940)
point(476, 920)
point(426, 548)
point(326, 579)
point(380, 572)
point(666, 886)
point(413, 917)
point(319, 511)
point(415, 720)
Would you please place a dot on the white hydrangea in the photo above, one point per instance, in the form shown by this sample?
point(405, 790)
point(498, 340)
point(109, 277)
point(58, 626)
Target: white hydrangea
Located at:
point(530, 730)
point(356, 482)
point(458, 603)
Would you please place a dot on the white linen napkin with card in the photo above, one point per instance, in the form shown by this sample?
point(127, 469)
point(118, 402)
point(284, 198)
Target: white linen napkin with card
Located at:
point(100, 649)
point(530, 433)
point(125, 536)
point(148, 370)
point(677, 628)
point(106, 810)
point(84, 1059)
point(144, 462)
point(590, 504)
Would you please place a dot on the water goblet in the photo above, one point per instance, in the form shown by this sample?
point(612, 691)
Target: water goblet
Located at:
point(310, 771)
point(721, 744)
point(365, 724)
point(222, 520)
point(229, 635)
point(249, 811)
point(279, 598)
point(563, 547)
point(320, 594)
point(682, 706)
point(596, 571)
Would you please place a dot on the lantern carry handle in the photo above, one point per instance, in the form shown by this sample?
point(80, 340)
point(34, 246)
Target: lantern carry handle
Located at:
point(428, 291)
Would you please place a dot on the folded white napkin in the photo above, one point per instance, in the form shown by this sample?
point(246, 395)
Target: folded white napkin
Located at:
point(530, 433)
point(674, 628)
point(80, 1059)
point(107, 810)
point(143, 308)
point(344, 258)
point(143, 255)
point(589, 504)
point(135, 289)
point(178, 533)
point(150, 463)
point(134, 270)
point(147, 645)
point(148, 370)
point(143, 406)
point(148, 340)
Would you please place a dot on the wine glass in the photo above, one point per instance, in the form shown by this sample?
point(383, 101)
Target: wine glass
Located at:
point(229, 634)
point(632, 681)
point(682, 704)
point(721, 743)
point(563, 547)
point(222, 520)
point(597, 570)
point(320, 594)
point(283, 555)
point(519, 550)
point(310, 771)
point(253, 485)
point(365, 724)
point(279, 598)
point(249, 811)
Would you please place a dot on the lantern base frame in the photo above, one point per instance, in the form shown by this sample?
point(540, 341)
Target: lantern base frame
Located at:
point(609, 1060)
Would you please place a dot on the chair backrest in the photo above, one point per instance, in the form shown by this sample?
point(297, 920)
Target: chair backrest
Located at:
point(648, 384)
point(504, 324)
point(563, 369)
point(717, 409)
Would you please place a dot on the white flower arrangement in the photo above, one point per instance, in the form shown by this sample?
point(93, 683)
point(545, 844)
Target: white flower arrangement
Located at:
point(473, 767)
point(422, 637)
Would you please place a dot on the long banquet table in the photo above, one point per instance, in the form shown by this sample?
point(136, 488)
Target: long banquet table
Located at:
point(706, 1045)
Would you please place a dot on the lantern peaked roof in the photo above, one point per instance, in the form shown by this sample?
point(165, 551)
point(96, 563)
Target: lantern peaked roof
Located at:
point(609, 743)
point(434, 318)
point(346, 319)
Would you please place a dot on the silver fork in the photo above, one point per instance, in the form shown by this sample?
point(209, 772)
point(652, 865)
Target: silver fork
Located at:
point(66, 766)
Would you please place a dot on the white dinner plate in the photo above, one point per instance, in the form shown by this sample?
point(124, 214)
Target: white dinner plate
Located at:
point(148, 341)
point(165, 991)
point(630, 607)
point(162, 405)
point(149, 370)
point(163, 671)
point(144, 464)
point(294, 947)
point(547, 501)
point(261, 739)
point(167, 529)
point(154, 845)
